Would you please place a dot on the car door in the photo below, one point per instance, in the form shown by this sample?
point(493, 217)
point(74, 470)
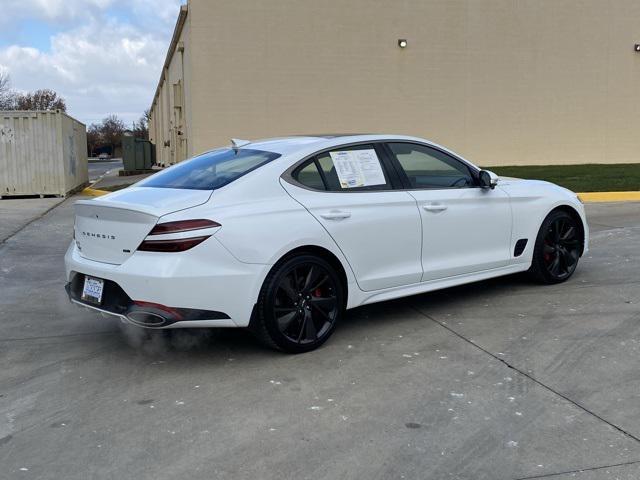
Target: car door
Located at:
point(349, 190)
point(465, 228)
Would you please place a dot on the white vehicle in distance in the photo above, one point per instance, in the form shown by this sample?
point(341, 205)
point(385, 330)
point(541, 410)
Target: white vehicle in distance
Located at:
point(282, 235)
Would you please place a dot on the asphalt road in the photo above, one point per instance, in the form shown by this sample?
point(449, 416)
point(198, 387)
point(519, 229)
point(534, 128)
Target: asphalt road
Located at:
point(99, 168)
point(502, 379)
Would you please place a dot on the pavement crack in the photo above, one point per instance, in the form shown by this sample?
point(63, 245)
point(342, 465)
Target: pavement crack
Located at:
point(579, 470)
point(613, 227)
point(530, 377)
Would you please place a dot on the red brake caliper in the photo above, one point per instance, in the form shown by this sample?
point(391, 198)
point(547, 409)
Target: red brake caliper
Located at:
point(547, 255)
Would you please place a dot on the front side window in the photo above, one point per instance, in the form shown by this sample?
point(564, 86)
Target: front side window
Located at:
point(210, 170)
point(430, 168)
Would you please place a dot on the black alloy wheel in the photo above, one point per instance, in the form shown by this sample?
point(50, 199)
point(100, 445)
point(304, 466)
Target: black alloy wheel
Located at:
point(300, 304)
point(557, 249)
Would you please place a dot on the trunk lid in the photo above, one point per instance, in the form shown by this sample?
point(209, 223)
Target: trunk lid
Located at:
point(109, 229)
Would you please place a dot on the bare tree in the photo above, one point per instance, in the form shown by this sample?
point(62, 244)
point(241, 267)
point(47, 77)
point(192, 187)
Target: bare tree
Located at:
point(94, 138)
point(44, 99)
point(141, 127)
point(112, 129)
point(7, 96)
point(5, 82)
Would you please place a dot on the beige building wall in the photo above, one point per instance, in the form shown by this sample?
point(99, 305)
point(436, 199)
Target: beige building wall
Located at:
point(503, 82)
point(171, 110)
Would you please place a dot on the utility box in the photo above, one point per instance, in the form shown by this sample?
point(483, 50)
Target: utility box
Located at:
point(41, 153)
point(138, 155)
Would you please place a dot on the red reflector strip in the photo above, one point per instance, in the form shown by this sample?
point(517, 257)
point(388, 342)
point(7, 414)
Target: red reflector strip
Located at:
point(176, 245)
point(182, 226)
point(158, 306)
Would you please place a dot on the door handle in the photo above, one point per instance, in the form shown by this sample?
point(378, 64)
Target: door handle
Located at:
point(434, 207)
point(335, 215)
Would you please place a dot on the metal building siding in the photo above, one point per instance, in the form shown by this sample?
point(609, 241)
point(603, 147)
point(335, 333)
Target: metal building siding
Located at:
point(41, 153)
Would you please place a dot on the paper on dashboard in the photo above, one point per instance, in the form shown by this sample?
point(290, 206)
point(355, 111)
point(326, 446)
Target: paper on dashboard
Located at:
point(358, 168)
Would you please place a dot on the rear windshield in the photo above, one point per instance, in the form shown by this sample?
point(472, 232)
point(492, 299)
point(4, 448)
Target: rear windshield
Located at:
point(210, 170)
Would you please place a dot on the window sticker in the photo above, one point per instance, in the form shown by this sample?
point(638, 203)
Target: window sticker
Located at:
point(358, 168)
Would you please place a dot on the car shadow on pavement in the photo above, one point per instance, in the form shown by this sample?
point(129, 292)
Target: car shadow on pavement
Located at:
point(365, 316)
point(357, 323)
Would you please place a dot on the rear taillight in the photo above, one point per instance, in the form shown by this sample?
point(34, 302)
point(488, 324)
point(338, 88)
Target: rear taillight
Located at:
point(182, 226)
point(176, 244)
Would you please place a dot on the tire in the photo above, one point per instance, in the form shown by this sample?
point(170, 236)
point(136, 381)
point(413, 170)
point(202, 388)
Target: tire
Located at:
point(300, 304)
point(558, 248)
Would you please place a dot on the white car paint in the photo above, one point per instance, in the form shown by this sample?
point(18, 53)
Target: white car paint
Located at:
point(479, 218)
point(385, 252)
point(389, 243)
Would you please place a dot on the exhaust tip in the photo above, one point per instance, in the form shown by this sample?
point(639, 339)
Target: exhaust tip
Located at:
point(147, 319)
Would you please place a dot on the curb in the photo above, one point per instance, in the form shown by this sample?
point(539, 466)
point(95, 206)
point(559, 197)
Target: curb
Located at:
point(92, 192)
point(609, 197)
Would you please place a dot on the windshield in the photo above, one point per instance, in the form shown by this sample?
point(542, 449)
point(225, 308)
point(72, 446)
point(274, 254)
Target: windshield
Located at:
point(210, 170)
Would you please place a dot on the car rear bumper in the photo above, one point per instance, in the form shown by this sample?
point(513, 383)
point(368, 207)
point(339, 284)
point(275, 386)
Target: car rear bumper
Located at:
point(210, 289)
point(143, 314)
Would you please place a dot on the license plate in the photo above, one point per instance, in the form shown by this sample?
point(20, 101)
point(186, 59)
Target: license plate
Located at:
point(92, 291)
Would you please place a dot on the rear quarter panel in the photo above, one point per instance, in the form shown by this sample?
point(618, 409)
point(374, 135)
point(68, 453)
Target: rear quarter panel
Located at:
point(260, 221)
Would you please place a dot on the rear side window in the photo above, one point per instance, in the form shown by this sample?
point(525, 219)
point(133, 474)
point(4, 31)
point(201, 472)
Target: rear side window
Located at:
point(329, 172)
point(210, 170)
point(353, 168)
point(309, 176)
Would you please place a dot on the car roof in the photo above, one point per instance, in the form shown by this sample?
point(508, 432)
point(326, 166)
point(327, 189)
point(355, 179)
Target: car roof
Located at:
point(299, 143)
point(295, 147)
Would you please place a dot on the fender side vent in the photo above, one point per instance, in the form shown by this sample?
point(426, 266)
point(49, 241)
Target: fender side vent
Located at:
point(520, 246)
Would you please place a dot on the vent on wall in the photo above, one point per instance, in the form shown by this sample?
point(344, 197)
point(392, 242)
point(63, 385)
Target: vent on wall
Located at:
point(177, 94)
point(520, 246)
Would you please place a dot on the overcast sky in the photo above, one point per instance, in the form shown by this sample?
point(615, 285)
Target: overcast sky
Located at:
point(102, 56)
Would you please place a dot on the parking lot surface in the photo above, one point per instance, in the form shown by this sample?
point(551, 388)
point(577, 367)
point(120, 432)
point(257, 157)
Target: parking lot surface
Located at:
point(502, 379)
point(15, 213)
point(98, 168)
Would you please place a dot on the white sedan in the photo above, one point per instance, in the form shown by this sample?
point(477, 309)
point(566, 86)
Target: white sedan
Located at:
point(282, 235)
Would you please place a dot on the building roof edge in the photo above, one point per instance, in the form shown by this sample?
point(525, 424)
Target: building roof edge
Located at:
point(177, 31)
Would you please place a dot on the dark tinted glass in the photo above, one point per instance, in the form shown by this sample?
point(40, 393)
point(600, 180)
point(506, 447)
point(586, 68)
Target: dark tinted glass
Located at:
point(310, 177)
point(326, 165)
point(430, 168)
point(210, 170)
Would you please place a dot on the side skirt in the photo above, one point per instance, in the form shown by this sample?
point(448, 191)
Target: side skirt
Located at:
point(363, 298)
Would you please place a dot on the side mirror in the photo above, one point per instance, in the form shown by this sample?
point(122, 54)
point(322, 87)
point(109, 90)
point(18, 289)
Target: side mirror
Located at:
point(488, 179)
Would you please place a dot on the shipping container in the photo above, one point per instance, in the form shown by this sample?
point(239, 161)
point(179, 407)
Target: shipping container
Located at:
point(41, 153)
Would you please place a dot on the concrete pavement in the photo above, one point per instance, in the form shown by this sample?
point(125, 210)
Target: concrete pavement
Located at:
point(15, 213)
point(99, 168)
point(497, 380)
